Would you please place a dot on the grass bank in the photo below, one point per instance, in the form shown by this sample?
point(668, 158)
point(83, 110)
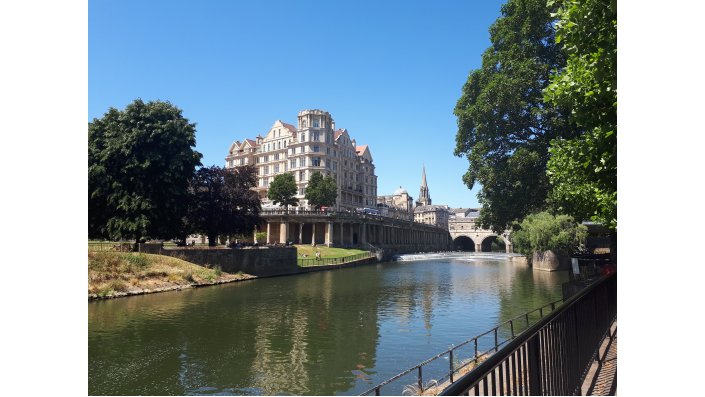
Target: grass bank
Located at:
point(112, 274)
point(326, 252)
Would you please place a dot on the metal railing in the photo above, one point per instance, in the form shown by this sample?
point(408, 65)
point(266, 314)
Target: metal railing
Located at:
point(480, 346)
point(553, 356)
point(307, 262)
point(110, 246)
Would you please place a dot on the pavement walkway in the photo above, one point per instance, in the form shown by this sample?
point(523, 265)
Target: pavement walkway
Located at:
point(601, 380)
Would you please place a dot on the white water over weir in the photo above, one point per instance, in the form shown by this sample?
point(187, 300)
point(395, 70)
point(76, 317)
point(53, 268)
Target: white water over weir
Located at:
point(462, 256)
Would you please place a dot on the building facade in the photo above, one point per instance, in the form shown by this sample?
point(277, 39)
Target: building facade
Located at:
point(313, 145)
point(398, 205)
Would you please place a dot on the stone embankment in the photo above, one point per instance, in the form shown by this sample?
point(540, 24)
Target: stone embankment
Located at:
point(179, 287)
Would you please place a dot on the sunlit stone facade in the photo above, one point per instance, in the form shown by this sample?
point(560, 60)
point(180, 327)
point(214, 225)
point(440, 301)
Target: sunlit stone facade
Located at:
point(313, 145)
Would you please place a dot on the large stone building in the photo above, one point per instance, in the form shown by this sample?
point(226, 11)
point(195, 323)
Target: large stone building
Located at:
point(425, 211)
point(398, 205)
point(313, 145)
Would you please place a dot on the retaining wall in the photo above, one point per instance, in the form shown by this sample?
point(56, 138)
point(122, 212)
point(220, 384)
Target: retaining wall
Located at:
point(261, 262)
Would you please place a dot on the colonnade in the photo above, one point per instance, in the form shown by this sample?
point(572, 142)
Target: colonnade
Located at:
point(347, 233)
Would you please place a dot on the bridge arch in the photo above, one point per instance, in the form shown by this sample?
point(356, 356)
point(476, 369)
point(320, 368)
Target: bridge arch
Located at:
point(489, 240)
point(464, 243)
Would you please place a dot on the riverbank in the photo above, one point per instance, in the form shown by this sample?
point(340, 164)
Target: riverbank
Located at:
point(118, 274)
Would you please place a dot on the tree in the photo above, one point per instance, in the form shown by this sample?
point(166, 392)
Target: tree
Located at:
point(321, 192)
point(583, 170)
point(222, 202)
point(140, 161)
point(543, 232)
point(504, 127)
point(282, 190)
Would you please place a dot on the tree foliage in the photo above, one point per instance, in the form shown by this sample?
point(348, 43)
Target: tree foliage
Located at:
point(583, 170)
point(282, 190)
point(222, 202)
point(321, 192)
point(542, 232)
point(504, 127)
point(140, 161)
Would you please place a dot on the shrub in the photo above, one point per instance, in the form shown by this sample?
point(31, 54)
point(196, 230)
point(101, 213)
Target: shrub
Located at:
point(139, 261)
point(543, 232)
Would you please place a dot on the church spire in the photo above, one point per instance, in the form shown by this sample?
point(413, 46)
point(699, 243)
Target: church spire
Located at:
point(423, 178)
point(424, 197)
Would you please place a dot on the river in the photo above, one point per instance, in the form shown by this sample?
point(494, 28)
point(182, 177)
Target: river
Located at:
point(334, 332)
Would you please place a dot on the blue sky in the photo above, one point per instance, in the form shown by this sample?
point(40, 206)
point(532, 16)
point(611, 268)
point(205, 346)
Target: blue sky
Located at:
point(388, 71)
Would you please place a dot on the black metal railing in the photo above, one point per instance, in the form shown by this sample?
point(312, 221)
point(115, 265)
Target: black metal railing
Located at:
point(307, 262)
point(553, 356)
point(468, 353)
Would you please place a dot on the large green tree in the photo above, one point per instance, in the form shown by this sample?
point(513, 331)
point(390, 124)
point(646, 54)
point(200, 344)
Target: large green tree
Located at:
point(504, 126)
point(222, 202)
point(321, 192)
point(542, 232)
point(282, 190)
point(583, 170)
point(140, 161)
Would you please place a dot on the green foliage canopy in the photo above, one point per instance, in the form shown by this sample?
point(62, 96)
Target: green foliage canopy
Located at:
point(542, 232)
point(583, 170)
point(321, 192)
point(222, 202)
point(282, 190)
point(140, 161)
point(504, 127)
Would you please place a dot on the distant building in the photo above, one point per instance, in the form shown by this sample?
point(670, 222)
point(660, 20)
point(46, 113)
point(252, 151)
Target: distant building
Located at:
point(425, 212)
point(398, 205)
point(464, 213)
point(313, 145)
point(463, 219)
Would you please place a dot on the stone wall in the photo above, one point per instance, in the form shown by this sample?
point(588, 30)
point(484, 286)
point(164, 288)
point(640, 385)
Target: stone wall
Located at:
point(262, 262)
point(550, 261)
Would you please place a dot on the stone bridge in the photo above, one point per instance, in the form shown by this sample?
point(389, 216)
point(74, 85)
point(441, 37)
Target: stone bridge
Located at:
point(350, 229)
point(468, 237)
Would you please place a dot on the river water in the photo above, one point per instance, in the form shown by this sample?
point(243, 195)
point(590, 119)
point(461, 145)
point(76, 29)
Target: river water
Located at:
point(334, 332)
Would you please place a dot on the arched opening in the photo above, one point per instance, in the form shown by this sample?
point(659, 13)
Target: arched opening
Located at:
point(494, 244)
point(464, 243)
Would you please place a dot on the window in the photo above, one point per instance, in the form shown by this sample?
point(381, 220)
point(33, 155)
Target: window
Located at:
point(316, 149)
point(301, 175)
point(292, 163)
point(315, 136)
point(276, 168)
point(315, 123)
point(302, 161)
point(276, 156)
point(316, 161)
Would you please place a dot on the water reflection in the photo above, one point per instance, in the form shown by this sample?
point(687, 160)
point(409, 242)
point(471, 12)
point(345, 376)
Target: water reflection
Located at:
point(336, 332)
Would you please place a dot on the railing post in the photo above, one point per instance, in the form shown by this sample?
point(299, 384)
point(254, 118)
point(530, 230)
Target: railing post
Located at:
point(511, 324)
point(475, 350)
point(534, 366)
point(496, 344)
point(420, 380)
point(451, 365)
